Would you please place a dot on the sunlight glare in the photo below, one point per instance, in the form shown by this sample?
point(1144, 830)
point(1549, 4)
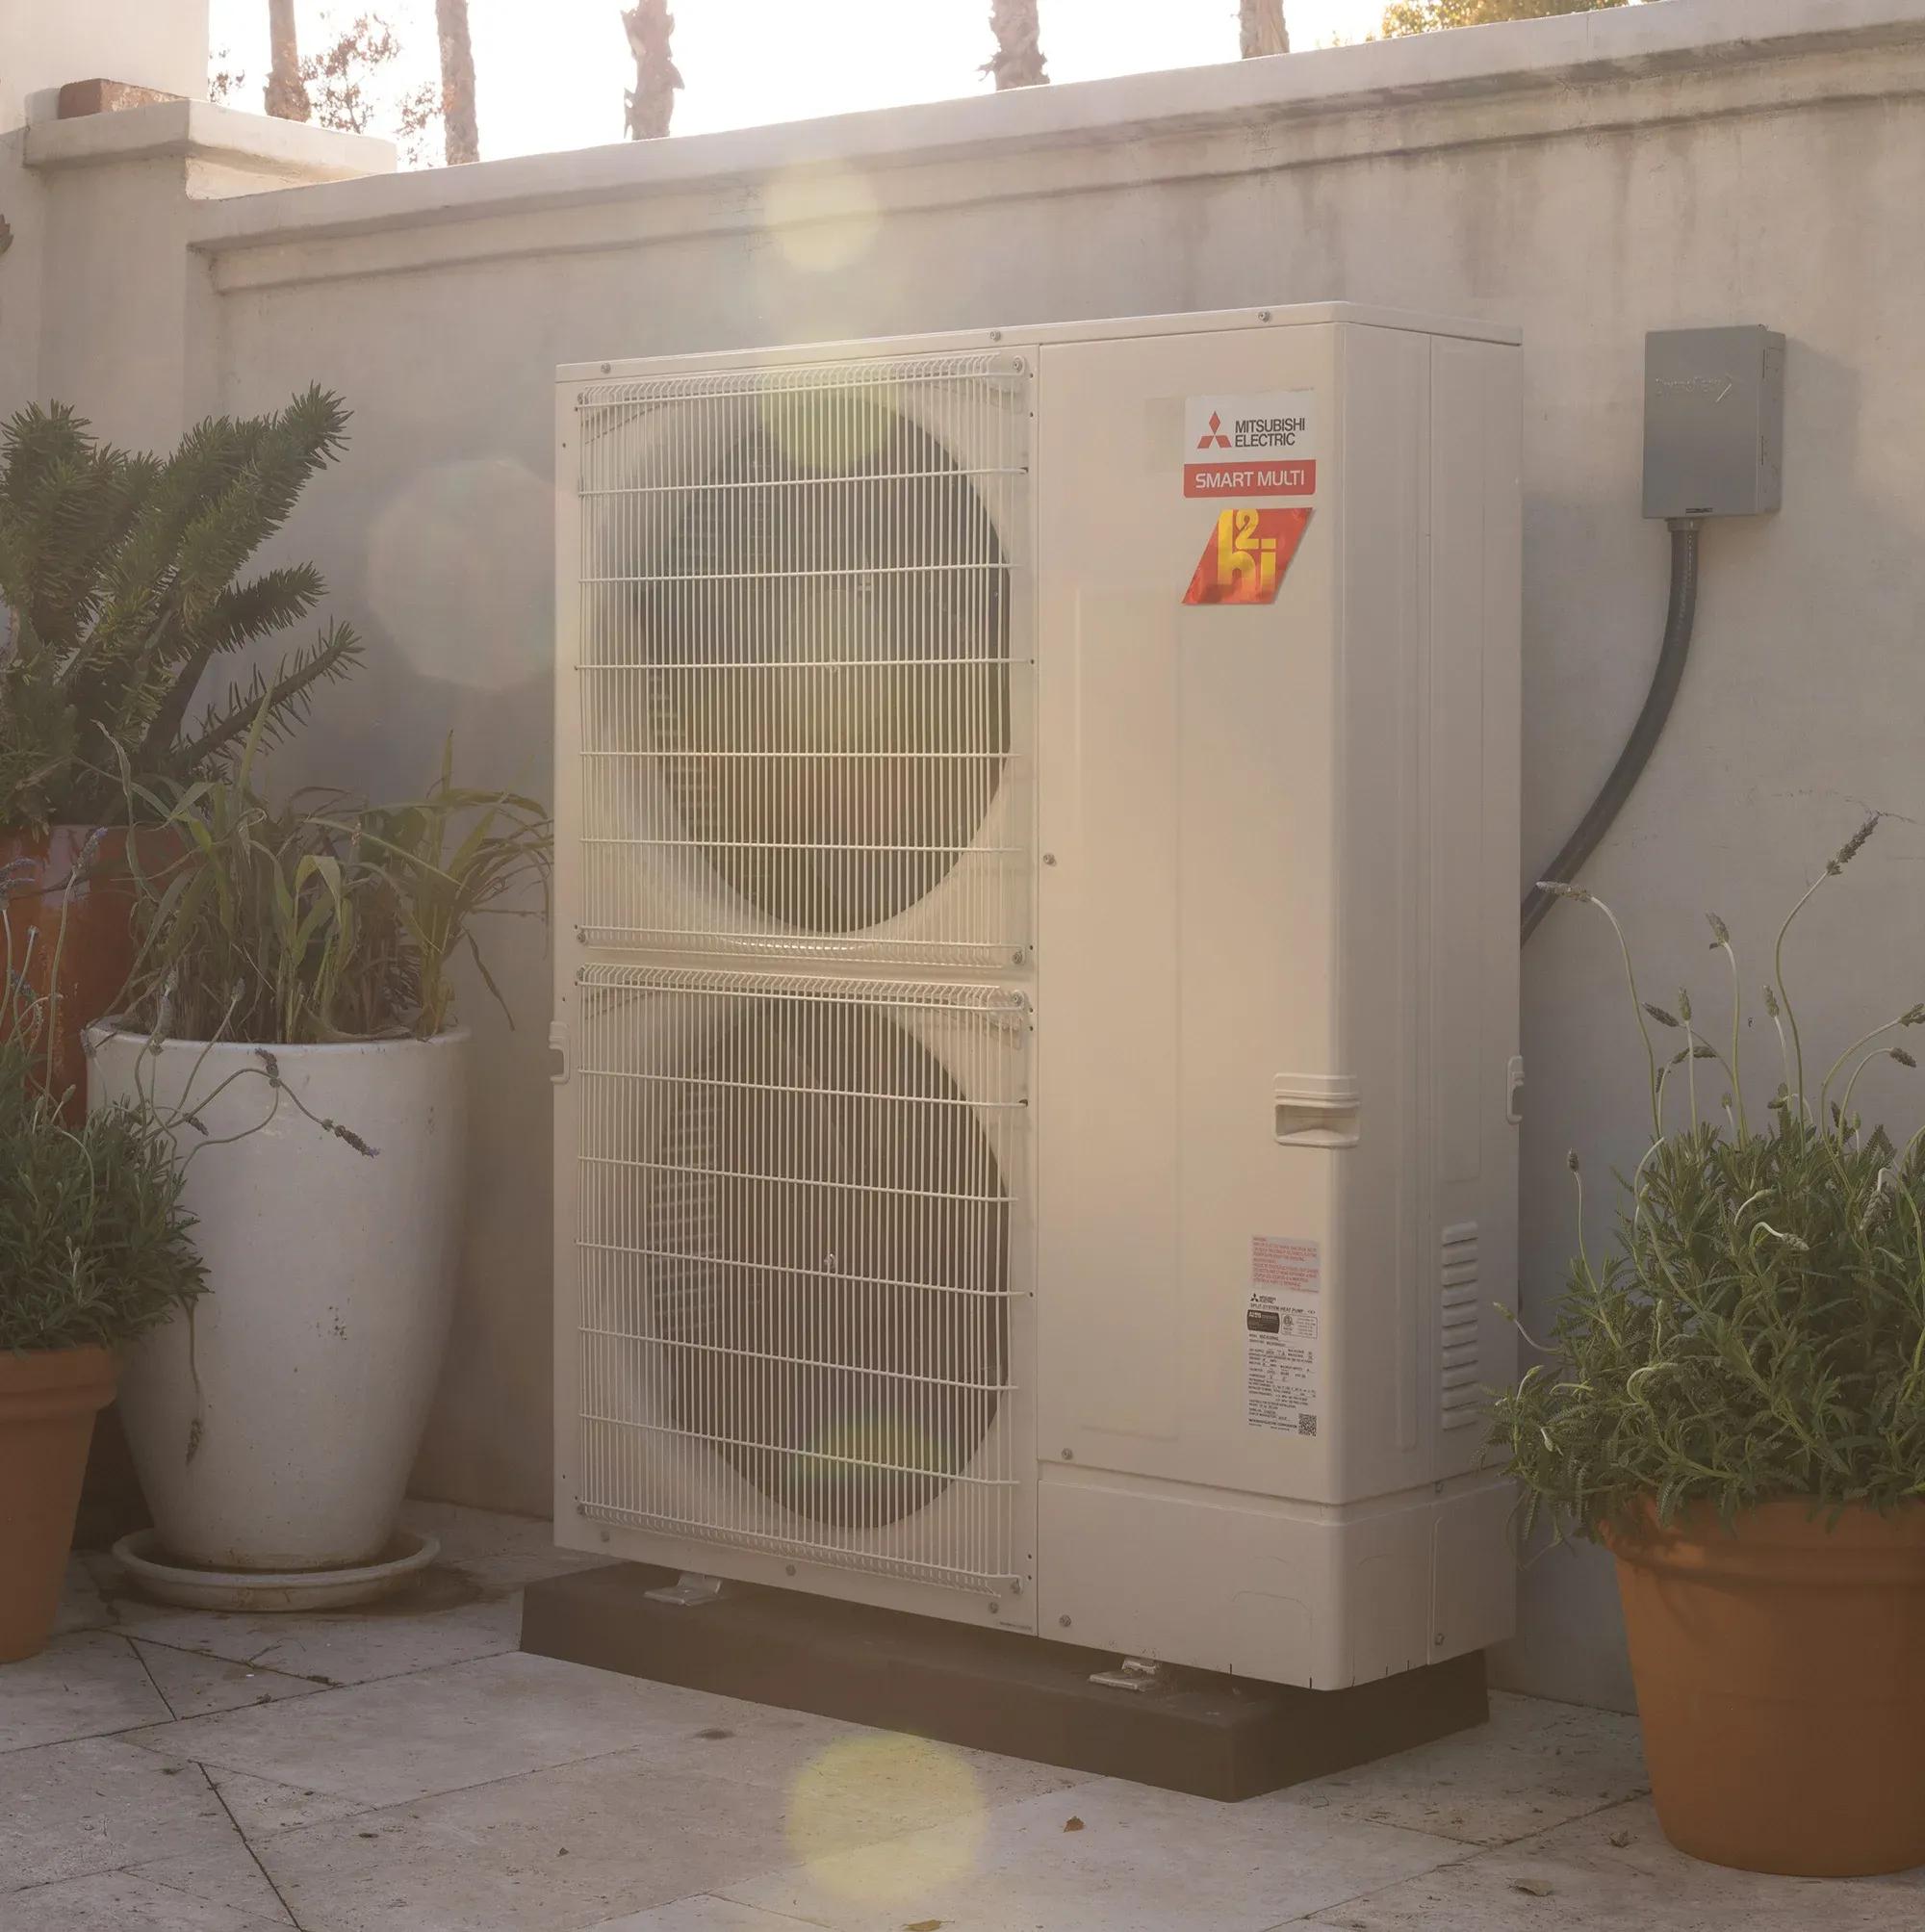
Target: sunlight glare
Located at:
point(920, 1783)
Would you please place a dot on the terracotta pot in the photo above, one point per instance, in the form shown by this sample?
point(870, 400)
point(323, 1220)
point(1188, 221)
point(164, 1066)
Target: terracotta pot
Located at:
point(47, 1406)
point(97, 953)
point(1781, 1685)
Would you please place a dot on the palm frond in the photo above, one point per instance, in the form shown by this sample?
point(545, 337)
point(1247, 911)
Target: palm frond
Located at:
point(276, 705)
point(120, 574)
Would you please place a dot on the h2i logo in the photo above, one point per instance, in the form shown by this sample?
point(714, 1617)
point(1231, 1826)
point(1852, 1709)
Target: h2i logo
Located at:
point(1248, 554)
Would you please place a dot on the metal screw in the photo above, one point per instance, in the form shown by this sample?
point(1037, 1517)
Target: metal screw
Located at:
point(1439, 1637)
point(605, 367)
point(1049, 858)
point(1015, 1589)
point(994, 1607)
point(1263, 315)
point(1069, 1456)
point(1064, 1621)
point(1016, 957)
point(604, 1536)
point(788, 1569)
point(995, 335)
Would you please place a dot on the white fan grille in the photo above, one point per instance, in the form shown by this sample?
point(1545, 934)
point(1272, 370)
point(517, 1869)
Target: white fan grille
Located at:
point(803, 688)
point(796, 1205)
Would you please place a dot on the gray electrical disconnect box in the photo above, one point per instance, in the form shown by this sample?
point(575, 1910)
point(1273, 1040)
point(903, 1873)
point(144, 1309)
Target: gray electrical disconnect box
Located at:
point(1714, 421)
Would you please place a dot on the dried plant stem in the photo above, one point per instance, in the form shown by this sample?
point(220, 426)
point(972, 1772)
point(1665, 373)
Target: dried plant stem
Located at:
point(1631, 979)
point(1831, 1072)
point(1845, 1103)
point(1783, 997)
point(1737, 1015)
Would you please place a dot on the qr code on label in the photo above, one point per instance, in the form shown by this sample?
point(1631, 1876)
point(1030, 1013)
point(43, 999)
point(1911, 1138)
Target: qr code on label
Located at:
point(1306, 1424)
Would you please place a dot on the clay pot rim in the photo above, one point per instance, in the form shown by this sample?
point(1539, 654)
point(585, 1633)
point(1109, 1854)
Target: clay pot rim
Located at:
point(80, 1359)
point(51, 1380)
point(1793, 1539)
point(101, 1031)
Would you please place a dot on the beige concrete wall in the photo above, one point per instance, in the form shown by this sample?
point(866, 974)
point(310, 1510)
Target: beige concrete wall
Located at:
point(1699, 162)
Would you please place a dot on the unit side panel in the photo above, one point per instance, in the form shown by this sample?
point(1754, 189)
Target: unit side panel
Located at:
point(1383, 1042)
point(1187, 918)
point(1475, 570)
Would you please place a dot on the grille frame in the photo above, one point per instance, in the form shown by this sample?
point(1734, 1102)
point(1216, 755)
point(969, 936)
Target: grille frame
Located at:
point(637, 1465)
point(646, 880)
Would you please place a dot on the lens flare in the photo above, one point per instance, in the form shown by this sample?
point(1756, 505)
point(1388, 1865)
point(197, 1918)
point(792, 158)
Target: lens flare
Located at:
point(906, 1784)
point(450, 582)
point(821, 218)
point(835, 432)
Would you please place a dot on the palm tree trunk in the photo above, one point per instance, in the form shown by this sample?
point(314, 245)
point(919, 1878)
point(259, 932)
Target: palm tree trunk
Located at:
point(457, 81)
point(287, 96)
point(651, 105)
point(1018, 62)
point(1264, 30)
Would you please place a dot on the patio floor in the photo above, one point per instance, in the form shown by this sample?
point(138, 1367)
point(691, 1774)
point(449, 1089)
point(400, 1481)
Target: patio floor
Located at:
point(166, 1771)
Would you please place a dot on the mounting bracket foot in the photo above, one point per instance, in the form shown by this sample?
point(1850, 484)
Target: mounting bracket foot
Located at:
point(688, 1590)
point(1140, 1674)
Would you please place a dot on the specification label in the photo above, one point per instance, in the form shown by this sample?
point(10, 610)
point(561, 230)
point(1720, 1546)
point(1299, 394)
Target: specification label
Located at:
point(1281, 1320)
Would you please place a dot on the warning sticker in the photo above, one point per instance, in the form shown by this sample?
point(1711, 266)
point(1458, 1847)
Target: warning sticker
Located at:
point(1281, 1320)
point(1246, 557)
point(1250, 446)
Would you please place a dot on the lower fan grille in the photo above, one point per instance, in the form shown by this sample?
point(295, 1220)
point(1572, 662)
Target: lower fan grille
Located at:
point(796, 1200)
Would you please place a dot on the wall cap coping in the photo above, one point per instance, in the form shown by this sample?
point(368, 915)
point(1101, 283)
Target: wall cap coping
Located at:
point(189, 130)
point(1262, 98)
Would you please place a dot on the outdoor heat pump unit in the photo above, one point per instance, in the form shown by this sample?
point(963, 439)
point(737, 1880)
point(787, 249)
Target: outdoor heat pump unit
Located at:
point(1037, 981)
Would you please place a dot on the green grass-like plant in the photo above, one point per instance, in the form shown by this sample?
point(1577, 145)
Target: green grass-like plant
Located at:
point(1757, 1332)
point(322, 918)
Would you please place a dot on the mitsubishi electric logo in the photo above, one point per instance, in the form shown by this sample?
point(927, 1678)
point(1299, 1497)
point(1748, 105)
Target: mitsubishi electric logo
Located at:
point(1244, 447)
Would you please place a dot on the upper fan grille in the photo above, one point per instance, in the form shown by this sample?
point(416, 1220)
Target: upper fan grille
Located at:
point(802, 704)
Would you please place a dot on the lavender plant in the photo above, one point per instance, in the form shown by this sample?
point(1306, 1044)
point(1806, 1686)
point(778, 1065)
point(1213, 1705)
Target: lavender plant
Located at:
point(95, 1247)
point(1756, 1330)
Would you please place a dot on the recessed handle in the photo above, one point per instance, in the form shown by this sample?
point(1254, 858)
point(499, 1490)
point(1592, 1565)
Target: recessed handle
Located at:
point(1316, 1110)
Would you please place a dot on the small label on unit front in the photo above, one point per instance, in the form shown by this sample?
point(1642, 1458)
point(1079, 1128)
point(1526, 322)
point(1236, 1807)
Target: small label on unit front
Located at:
point(1281, 1319)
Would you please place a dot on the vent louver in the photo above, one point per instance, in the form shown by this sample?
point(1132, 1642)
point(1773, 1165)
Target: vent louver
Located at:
point(1459, 1357)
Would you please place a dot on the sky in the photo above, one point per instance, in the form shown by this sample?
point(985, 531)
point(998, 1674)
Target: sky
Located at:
point(549, 74)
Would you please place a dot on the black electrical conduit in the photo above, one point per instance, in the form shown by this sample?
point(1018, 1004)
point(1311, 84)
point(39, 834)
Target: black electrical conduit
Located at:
point(1678, 619)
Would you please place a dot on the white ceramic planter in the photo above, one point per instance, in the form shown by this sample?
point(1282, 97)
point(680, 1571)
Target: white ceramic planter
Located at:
point(330, 1278)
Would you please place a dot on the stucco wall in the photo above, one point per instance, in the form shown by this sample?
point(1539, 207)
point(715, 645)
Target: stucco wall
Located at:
point(1700, 162)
